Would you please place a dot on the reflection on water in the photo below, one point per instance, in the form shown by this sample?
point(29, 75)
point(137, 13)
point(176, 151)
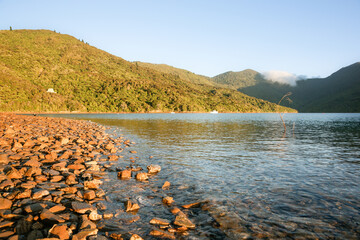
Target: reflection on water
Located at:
point(259, 183)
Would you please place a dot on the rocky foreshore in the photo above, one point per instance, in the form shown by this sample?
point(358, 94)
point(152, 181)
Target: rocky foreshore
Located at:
point(51, 173)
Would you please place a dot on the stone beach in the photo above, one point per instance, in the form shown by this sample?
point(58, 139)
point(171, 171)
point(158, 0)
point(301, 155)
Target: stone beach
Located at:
point(51, 176)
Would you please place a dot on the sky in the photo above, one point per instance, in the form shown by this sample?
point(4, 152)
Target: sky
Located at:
point(311, 38)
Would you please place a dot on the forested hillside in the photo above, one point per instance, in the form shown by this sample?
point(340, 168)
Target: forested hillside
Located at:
point(90, 80)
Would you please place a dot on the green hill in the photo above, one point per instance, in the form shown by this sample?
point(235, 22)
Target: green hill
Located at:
point(340, 92)
point(90, 80)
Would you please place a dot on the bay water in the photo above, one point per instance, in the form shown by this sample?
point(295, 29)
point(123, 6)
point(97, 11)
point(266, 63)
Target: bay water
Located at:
point(257, 180)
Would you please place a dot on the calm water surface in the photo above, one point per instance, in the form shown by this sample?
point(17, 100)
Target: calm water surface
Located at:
point(258, 181)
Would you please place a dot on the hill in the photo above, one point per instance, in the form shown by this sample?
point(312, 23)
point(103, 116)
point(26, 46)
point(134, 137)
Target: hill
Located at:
point(90, 80)
point(340, 92)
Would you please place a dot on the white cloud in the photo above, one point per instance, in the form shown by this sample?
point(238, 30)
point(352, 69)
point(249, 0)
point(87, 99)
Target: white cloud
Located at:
point(282, 77)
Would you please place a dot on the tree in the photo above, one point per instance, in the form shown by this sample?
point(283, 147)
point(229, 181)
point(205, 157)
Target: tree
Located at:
point(10, 28)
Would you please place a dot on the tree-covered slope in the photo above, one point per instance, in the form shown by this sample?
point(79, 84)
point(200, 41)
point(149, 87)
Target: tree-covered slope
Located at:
point(88, 79)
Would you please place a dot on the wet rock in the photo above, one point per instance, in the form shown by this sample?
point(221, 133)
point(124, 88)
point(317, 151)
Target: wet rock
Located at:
point(60, 231)
point(192, 205)
point(81, 207)
point(168, 200)
point(116, 236)
point(135, 237)
point(94, 216)
point(101, 206)
point(159, 221)
point(40, 194)
point(5, 203)
point(86, 223)
point(162, 234)
point(49, 217)
point(130, 206)
point(153, 169)
point(7, 214)
point(182, 221)
point(125, 174)
point(83, 234)
point(108, 215)
point(142, 176)
point(166, 185)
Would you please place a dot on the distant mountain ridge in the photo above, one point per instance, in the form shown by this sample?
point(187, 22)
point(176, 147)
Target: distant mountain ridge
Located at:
point(340, 92)
point(87, 79)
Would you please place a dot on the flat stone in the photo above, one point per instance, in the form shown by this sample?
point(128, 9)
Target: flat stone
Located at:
point(162, 234)
point(35, 208)
point(48, 216)
point(192, 205)
point(76, 166)
point(182, 221)
point(57, 208)
point(81, 207)
point(14, 174)
point(159, 221)
point(86, 223)
point(40, 194)
point(84, 233)
point(6, 234)
point(130, 206)
point(4, 159)
point(166, 185)
point(5, 203)
point(33, 163)
point(93, 184)
point(94, 216)
point(24, 194)
point(153, 169)
point(60, 231)
point(6, 183)
point(5, 224)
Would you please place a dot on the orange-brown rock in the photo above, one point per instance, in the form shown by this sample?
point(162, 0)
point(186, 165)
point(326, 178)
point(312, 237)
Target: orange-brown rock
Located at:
point(166, 185)
point(5, 203)
point(142, 176)
point(89, 195)
point(130, 206)
point(162, 234)
point(60, 231)
point(159, 221)
point(168, 200)
point(192, 205)
point(124, 174)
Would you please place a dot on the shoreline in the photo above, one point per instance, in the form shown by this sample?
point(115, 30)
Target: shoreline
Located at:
point(51, 176)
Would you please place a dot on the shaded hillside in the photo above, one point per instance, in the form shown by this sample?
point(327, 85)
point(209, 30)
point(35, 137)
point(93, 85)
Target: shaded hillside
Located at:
point(340, 92)
point(88, 79)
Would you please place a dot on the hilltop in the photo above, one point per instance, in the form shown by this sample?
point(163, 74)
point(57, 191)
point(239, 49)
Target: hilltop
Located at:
point(88, 79)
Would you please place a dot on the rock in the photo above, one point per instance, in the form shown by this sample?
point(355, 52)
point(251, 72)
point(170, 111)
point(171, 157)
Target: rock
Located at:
point(89, 195)
point(40, 194)
point(130, 206)
point(49, 217)
point(101, 206)
point(84, 233)
point(56, 178)
point(86, 223)
point(116, 236)
point(71, 180)
point(108, 215)
point(5, 224)
point(24, 194)
point(113, 158)
point(35, 234)
point(28, 184)
point(77, 166)
point(7, 214)
point(64, 140)
point(133, 152)
point(93, 184)
point(4, 159)
point(94, 216)
point(135, 237)
point(14, 237)
point(159, 221)
point(6, 183)
point(13, 174)
point(57, 208)
point(5, 203)
point(6, 234)
point(182, 221)
point(37, 226)
point(35, 208)
point(166, 185)
point(23, 226)
point(60, 231)
point(81, 207)
point(192, 205)
point(162, 234)
point(142, 177)
point(125, 174)
point(153, 169)
point(168, 200)
point(33, 163)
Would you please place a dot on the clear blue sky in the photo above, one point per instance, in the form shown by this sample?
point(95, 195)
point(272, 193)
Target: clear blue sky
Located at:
point(304, 37)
